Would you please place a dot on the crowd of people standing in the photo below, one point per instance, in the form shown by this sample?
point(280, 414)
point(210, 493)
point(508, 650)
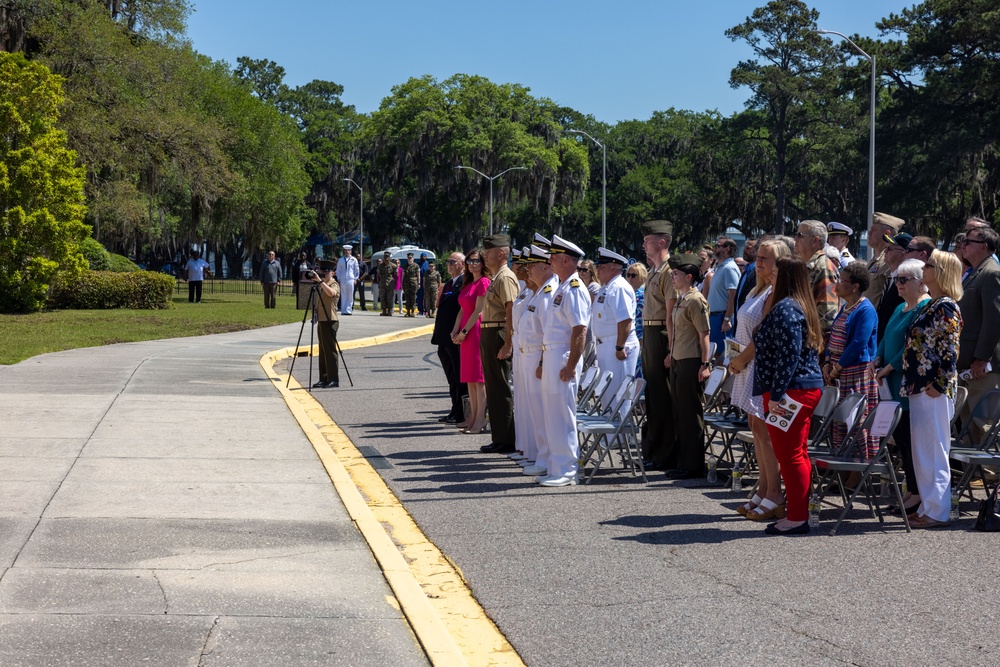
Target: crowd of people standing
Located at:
point(799, 313)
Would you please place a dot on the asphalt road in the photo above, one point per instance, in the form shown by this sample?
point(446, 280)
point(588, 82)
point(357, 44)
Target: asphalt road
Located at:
point(618, 572)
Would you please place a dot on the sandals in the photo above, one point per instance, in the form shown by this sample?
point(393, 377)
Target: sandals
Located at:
point(767, 511)
point(750, 506)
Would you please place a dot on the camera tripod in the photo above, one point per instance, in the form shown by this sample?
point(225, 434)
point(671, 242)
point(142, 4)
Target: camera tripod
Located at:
point(313, 299)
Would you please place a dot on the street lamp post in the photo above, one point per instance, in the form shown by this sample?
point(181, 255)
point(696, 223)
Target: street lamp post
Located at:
point(361, 216)
point(490, 179)
point(604, 187)
point(871, 131)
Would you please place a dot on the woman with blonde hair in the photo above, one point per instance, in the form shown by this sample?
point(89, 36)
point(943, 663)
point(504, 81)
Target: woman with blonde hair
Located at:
point(768, 503)
point(930, 380)
point(588, 274)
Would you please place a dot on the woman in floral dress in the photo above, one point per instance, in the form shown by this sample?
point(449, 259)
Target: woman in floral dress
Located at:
point(930, 379)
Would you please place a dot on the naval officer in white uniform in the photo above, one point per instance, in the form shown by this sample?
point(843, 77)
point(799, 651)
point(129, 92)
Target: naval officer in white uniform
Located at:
point(563, 338)
point(526, 291)
point(348, 271)
point(532, 326)
point(838, 235)
point(613, 322)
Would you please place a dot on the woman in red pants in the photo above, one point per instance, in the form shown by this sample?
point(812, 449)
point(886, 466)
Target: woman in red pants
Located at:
point(787, 344)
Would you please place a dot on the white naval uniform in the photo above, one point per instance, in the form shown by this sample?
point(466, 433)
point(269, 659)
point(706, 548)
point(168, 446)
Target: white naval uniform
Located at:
point(517, 370)
point(570, 307)
point(845, 258)
point(348, 271)
point(615, 303)
point(531, 439)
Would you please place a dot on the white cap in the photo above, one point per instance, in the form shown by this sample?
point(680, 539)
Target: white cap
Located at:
point(560, 245)
point(348, 247)
point(605, 256)
point(838, 228)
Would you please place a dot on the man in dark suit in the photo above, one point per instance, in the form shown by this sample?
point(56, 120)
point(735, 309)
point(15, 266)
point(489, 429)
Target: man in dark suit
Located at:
point(447, 311)
point(979, 343)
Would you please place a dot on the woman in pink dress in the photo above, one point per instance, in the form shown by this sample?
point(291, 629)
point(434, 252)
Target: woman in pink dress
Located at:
point(465, 334)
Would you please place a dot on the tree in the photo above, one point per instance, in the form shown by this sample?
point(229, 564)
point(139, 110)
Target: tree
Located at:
point(41, 188)
point(793, 83)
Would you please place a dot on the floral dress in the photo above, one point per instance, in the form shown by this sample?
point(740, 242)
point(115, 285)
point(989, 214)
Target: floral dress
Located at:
point(931, 354)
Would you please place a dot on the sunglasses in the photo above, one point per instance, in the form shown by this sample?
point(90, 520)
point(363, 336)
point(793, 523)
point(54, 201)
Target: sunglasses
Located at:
point(968, 241)
point(902, 280)
point(800, 235)
point(930, 266)
point(454, 261)
point(583, 270)
point(633, 274)
point(473, 261)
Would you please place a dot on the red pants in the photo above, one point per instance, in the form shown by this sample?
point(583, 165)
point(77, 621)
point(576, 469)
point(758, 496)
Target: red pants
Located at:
point(790, 448)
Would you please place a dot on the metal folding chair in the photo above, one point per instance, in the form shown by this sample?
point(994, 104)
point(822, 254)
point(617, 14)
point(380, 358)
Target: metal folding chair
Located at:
point(587, 382)
point(969, 460)
point(880, 423)
point(621, 430)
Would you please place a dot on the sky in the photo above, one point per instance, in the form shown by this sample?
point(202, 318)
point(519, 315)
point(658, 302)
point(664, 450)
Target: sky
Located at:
point(614, 60)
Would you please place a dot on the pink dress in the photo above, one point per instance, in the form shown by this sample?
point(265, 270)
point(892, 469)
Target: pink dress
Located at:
point(470, 363)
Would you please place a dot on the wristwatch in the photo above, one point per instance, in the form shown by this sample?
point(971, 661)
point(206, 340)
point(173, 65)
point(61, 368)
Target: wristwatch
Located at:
point(464, 332)
point(619, 348)
point(706, 364)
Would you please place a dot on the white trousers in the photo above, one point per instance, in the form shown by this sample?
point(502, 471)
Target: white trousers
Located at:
point(607, 360)
point(346, 296)
point(559, 409)
point(930, 429)
point(528, 426)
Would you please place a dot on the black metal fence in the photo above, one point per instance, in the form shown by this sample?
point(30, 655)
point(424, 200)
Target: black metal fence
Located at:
point(236, 286)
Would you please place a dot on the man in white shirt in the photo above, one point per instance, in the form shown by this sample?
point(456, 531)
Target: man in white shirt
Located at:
point(613, 322)
point(838, 235)
point(563, 338)
point(347, 272)
point(195, 270)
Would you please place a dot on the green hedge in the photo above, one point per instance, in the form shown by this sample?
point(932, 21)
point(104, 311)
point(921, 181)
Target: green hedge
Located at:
point(102, 290)
point(121, 264)
point(98, 258)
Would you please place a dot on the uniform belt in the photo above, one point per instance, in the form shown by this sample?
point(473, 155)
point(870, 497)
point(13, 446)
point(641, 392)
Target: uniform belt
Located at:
point(716, 312)
point(554, 346)
point(530, 348)
point(492, 325)
point(653, 323)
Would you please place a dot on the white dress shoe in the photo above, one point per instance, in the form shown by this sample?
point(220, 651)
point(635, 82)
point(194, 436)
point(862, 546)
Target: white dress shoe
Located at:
point(524, 463)
point(515, 456)
point(564, 480)
point(534, 470)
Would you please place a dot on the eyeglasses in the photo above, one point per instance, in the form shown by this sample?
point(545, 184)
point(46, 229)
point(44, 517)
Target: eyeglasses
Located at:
point(968, 241)
point(454, 261)
point(800, 235)
point(583, 270)
point(473, 261)
point(632, 275)
point(902, 280)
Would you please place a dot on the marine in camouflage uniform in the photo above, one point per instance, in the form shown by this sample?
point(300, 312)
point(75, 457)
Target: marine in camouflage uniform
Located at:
point(411, 283)
point(432, 284)
point(387, 284)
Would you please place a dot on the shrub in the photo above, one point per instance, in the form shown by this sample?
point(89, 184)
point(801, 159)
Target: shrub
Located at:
point(102, 290)
point(122, 264)
point(97, 257)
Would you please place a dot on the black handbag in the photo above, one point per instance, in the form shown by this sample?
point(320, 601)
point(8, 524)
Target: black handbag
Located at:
point(989, 516)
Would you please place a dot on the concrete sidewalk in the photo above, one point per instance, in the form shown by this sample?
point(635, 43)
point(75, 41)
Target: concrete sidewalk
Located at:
point(160, 505)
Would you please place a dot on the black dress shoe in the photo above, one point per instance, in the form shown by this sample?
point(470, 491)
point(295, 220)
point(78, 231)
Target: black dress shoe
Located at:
point(451, 419)
point(683, 473)
point(332, 384)
point(497, 448)
point(655, 465)
point(772, 529)
point(442, 420)
point(319, 385)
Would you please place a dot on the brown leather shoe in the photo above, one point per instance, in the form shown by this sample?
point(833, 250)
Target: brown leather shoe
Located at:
point(927, 522)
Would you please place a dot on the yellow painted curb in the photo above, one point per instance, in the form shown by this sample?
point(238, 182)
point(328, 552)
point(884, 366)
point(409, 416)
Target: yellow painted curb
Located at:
point(449, 623)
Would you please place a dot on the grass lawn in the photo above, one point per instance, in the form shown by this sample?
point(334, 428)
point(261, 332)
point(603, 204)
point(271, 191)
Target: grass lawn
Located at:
point(23, 336)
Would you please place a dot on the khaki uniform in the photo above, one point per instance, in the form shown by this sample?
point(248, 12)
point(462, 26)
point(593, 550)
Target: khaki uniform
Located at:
point(327, 325)
point(880, 271)
point(690, 321)
point(387, 285)
point(411, 283)
point(432, 285)
point(658, 442)
point(496, 372)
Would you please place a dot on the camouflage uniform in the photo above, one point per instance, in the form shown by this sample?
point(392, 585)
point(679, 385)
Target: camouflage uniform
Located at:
point(387, 285)
point(411, 282)
point(432, 284)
